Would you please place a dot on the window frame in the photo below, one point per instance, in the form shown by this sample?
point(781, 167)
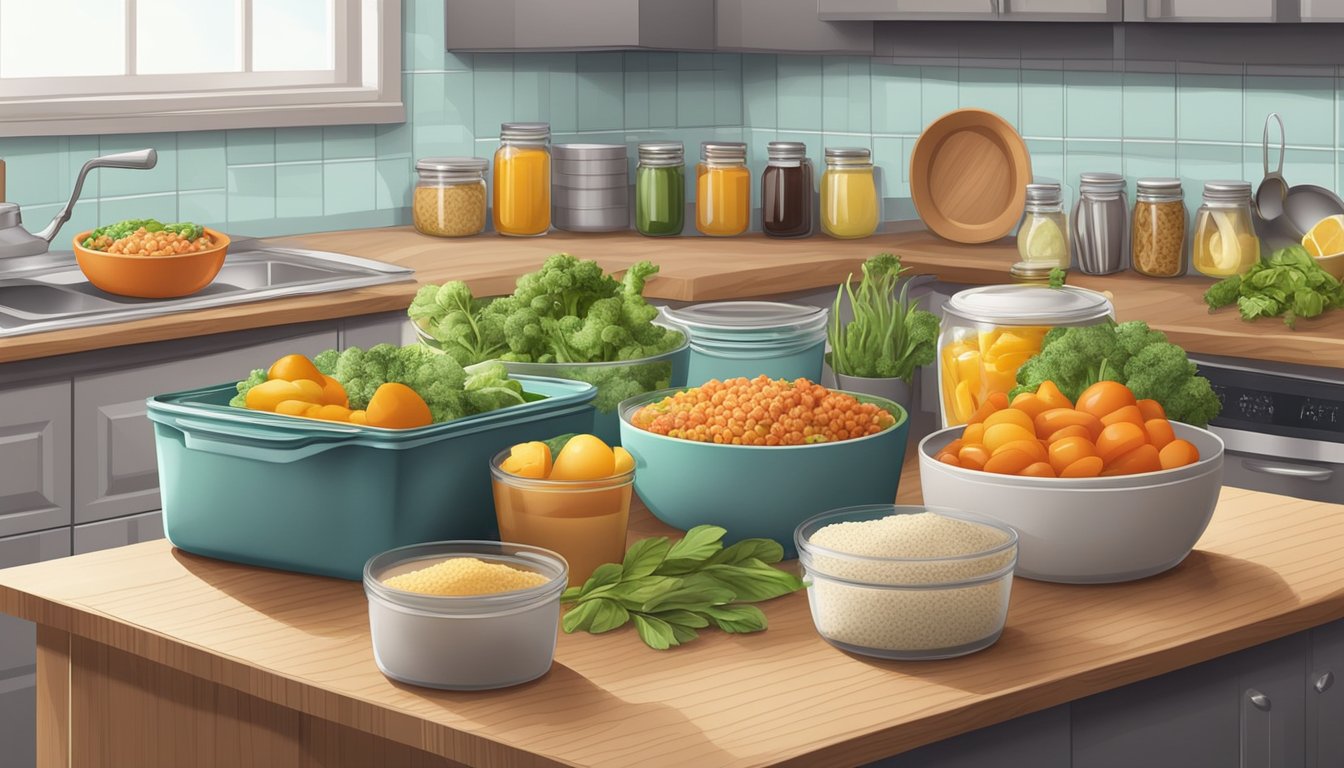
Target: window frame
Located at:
point(364, 87)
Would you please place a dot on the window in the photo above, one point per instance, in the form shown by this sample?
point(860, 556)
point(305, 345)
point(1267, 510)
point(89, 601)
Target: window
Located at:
point(120, 66)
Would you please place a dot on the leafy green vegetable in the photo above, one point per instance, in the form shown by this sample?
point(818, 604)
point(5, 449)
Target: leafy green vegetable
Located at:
point(1289, 284)
point(1057, 277)
point(121, 229)
point(1130, 353)
point(450, 391)
point(672, 590)
point(889, 336)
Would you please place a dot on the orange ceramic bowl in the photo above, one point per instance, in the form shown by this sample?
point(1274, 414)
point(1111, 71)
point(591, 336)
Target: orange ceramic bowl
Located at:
point(152, 277)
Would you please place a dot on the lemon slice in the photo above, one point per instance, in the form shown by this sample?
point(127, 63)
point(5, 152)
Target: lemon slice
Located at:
point(1326, 237)
point(1043, 242)
point(1224, 245)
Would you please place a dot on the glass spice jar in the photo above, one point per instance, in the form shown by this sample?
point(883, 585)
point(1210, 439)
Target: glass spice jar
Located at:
point(660, 189)
point(1041, 237)
point(849, 204)
point(1225, 243)
point(722, 189)
point(522, 198)
point(449, 196)
point(1158, 237)
point(786, 190)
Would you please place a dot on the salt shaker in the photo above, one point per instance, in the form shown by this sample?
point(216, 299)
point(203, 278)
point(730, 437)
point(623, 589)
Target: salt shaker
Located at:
point(1101, 224)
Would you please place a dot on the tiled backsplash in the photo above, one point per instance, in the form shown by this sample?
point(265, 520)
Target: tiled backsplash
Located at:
point(1195, 121)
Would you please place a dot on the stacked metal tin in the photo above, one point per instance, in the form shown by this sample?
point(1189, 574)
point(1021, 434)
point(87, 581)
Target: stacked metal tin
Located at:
point(590, 188)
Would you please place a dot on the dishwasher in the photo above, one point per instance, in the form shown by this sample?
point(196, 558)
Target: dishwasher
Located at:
point(1283, 425)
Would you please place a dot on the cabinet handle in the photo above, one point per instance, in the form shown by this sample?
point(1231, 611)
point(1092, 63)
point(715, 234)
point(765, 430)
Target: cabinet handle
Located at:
point(1324, 682)
point(1316, 474)
point(1260, 700)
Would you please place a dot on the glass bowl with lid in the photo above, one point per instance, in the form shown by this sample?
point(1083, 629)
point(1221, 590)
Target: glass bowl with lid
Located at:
point(752, 338)
point(988, 333)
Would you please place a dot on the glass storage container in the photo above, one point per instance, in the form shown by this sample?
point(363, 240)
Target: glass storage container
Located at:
point(1158, 240)
point(722, 189)
point(660, 189)
point(449, 196)
point(849, 203)
point(522, 195)
point(1041, 237)
point(1225, 243)
point(988, 333)
point(786, 190)
point(1100, 241)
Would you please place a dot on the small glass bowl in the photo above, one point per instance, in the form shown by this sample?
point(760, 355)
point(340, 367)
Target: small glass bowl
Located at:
point(907, 608)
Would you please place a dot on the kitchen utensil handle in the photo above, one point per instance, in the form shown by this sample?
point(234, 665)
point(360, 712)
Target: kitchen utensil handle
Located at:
point(1264, 143)
point(140, 159)
point(1317, 474)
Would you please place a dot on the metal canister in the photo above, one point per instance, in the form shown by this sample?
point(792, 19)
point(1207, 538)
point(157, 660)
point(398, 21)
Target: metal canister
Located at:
point(1100, 242)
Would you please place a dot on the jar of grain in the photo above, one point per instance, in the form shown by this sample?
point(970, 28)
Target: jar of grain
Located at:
point(1158, 237)
point(449, 197)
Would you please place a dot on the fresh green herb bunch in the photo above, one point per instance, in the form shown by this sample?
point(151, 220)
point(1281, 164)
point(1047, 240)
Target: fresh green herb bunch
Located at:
point(1290, 283)
point(889, 336)
point(1058, 276)
point(671, 591)
point(121, 229)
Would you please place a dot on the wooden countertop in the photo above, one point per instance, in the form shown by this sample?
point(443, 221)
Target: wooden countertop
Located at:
point(702, 269)
point(1267, 567)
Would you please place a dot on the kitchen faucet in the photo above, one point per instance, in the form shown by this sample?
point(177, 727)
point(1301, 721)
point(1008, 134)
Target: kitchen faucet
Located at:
point(17, 241)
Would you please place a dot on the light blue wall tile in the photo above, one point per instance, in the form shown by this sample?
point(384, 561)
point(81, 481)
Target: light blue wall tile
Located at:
point(394, 182)
point(995, 90)
point(250, 145)
point(1209, 107)
point(423, 25)
point(860, 94)
point(695, 61)
point(662, 95)
point(601, 89)
point(695, 98)
point(1306, 104)
point(1198, 163)
point(33, 171)
point(209, 207)
point(296, 144)
point(340, 142)
point(662, 61)
point(895, 99)
point(1093, 105)
point(162, 207)
point(297, 189)
point(389, 140)
point(200, 160)
point(1043, 103)
point(937, 93)
point(727, 89)
point(251, 192)
point(79, 150)
point(1083, 156)
point(348, 187)
point(1300, 166)
point(118, 182)
point(493, 92)
point(799, 93)
point(442, 117)
point(636, 90)
point(887, 155)
point(83, 219)
point(835, 94)
point(759, 95)
point(531, 87)
point(1149, 106)
point(1144, 159)
point(564, 92)
point(1047, 165)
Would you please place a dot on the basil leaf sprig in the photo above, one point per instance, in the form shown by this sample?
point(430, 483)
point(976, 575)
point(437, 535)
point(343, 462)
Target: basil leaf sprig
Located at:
point(672, 590)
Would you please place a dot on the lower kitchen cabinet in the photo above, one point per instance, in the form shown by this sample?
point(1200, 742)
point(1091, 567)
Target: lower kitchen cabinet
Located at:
point(18, 652)
point(34, 457)
point(1039, 740)
point(120, 532)
point(1325, 698)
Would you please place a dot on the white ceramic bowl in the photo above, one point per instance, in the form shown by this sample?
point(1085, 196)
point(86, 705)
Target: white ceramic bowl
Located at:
point(1088, 530)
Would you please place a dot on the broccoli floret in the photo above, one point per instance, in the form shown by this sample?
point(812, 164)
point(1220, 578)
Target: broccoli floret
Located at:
point(564, 286)
point(457, 321)
point(1074, 360)
point(1157, 372)
point(1194, 402)
point(619, 382)
point(1136, 335)
point(254, 378)
point(325, 361)
point(632, 284)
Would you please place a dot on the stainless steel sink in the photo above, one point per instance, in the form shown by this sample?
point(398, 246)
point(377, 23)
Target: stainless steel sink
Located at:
point(48, 292)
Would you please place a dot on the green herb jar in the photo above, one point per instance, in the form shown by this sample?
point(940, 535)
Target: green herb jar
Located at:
point(660, 189)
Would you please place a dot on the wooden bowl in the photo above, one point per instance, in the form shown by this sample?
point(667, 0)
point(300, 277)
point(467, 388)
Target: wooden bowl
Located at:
point(152, 277)
point(1334, 264)
point(968, 176)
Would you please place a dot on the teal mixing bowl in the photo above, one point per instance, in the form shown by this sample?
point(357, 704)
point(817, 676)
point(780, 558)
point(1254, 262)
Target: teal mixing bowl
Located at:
point(761, 491)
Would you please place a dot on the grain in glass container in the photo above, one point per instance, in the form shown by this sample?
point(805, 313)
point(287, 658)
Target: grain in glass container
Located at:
point(522, 189)
point(1225, 243)
point(1158, 239)
point(722, 189)
point(449, 198)
point(849, 203)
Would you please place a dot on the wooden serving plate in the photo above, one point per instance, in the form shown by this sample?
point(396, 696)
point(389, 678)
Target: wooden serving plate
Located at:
point(968, 176)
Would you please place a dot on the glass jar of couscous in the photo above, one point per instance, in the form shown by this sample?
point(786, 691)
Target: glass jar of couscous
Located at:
point(449, 196)
point(522, 193)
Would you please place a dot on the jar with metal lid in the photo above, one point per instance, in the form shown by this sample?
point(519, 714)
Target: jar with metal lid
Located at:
point(522, 189)
point(449, 196)
point(988, 333)
point(1158, 239)
point(722, 189)
point(1225, 243)
point(1041, 237)
point(1100, 241)
point(849, 203)
point(660, 189)
point(786, 190)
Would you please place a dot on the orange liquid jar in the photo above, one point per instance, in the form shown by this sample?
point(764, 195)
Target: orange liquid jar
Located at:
point(522, 188)
point(722, 189)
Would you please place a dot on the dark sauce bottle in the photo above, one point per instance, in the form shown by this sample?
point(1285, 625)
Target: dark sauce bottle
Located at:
point(786, 191)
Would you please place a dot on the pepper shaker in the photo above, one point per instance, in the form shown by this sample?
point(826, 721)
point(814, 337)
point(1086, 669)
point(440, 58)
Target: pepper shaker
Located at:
point(1100, 242)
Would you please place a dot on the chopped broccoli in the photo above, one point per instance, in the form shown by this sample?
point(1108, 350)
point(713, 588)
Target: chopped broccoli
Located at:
point(489, 387)
point(254, 378)
point(123, 228)
point(1074, 360)
point(453, 318)
point(1058, 276)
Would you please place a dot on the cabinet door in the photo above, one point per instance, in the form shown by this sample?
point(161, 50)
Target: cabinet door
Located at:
point(1272, 701)
point(115, 465)
point(1039, 740)
point(18, 652)
point(907, 10)
point(1325, 697)
point(34, 458)
point(1203, 10)
point(107, 534)
point(1061, 10)
point(1322, 10)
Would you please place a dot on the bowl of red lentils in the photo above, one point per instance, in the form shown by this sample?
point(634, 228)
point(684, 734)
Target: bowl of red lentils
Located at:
point(147, 263)
point(759, 456)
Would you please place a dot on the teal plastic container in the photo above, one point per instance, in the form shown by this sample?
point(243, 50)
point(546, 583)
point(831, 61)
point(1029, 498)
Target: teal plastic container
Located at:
point(761, 491)
point(753, 338)
point(718, 360)
point(315, 497)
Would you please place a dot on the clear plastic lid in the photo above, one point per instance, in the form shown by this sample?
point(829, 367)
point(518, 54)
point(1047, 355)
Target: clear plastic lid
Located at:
point(1029, 305)
point(746, 317)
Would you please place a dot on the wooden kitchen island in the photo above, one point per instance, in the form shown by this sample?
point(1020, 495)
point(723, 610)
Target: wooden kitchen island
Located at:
point(149, 656)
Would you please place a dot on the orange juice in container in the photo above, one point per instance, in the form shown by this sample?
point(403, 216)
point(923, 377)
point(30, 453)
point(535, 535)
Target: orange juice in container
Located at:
point(522, 180)
point(988, 333)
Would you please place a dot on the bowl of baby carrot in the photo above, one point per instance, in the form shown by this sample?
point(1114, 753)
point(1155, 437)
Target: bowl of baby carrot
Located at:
point(1103, 490)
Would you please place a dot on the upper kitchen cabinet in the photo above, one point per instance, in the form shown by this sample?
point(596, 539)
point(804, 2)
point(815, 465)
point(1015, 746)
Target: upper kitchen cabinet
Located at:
point(1322, 10)
point(972, 10)
point(579, 25)
point(1242, 11)
point(787, 25)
